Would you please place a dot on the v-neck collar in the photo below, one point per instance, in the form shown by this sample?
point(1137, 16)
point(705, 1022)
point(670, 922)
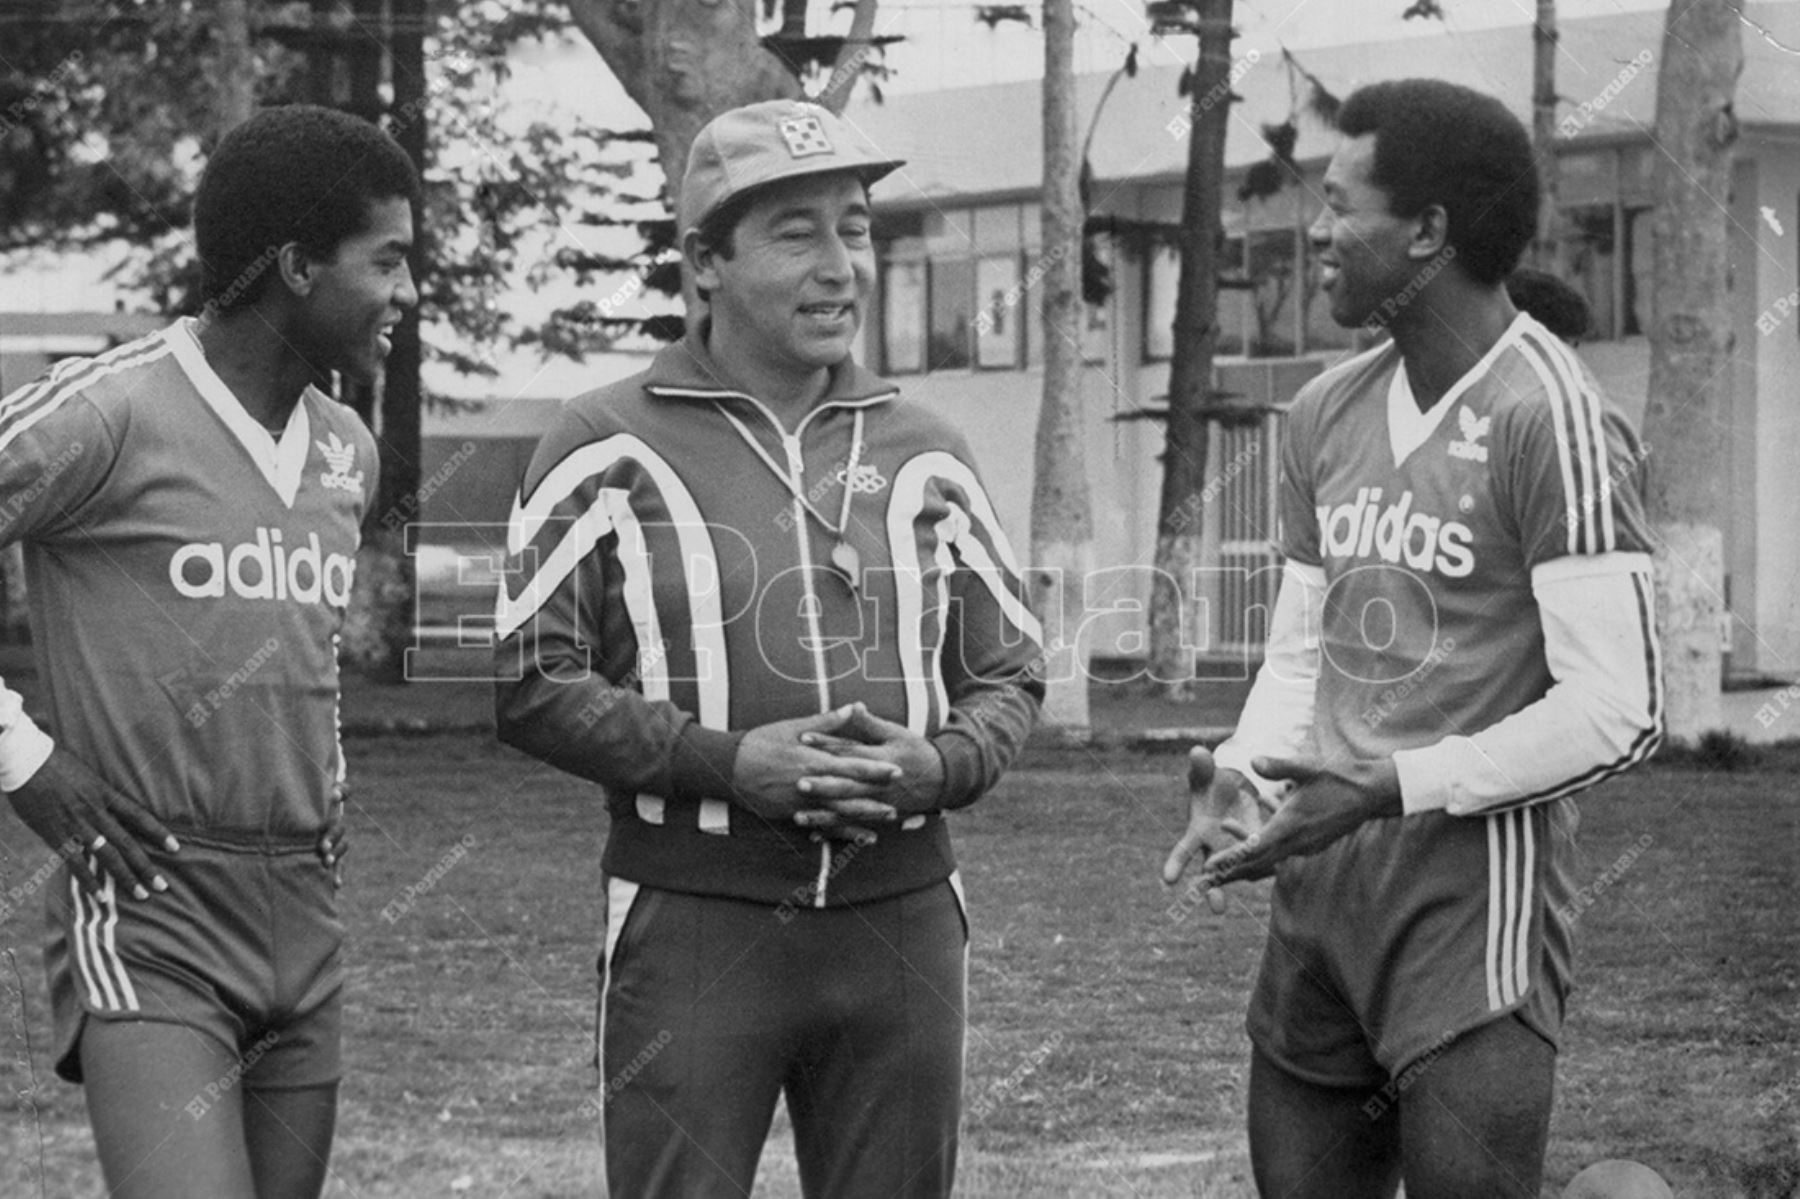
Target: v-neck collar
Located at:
point(1408, 428)
point(281, 461)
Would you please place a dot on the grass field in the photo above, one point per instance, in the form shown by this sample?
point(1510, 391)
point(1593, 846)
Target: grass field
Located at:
point(1105, 1050)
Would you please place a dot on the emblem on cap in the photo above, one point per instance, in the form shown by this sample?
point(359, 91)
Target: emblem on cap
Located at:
point(805, 136)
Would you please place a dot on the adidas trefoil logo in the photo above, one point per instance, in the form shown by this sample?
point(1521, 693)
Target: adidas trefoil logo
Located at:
point(340, 456)
point(1474, 428)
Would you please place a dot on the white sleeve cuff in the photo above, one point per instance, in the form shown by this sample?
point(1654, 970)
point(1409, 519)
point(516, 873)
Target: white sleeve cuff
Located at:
point(24, 747)
point(1426, 773)
point(1278, 713)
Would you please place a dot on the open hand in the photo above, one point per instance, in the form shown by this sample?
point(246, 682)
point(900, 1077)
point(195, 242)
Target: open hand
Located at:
point(1328, 802)
point(91, 824)
point(1223, 810)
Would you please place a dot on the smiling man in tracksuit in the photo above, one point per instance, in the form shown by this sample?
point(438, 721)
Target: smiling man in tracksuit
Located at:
point(768, 607)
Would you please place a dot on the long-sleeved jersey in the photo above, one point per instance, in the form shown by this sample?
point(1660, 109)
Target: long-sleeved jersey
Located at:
point(1468, 588)
point(668, 590)
point(188, 574)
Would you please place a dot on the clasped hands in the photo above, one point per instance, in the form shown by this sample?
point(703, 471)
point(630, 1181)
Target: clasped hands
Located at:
point(1242, 835)
point(838, 773)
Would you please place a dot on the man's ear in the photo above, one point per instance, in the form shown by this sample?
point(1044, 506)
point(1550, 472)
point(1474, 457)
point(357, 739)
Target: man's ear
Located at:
point(1431, 233)
point(298, 270)
point(701, 260)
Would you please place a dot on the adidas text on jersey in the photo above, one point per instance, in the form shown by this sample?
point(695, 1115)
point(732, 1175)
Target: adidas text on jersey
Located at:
point(1395, 533)
point(263, 569)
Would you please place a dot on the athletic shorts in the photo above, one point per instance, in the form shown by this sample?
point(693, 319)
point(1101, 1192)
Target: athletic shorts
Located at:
point(1410, 932)
point(243, 947)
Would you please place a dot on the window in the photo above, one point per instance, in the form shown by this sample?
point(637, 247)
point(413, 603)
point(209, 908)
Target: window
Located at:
point(958, 290)
point(1096, 319)
point(1607, 256)
point(1591, 250)
point(999, 325)
point(903, 317)
point(1605, 237)
point(1162, 278)
point(1634, 300)
point(1234, 297)
point(1274, 267)
point(954, 291)
point(1270, 305)
point(952, 314)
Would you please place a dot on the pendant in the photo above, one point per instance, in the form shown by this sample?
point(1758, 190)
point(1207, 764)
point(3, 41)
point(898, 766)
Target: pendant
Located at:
point(848, 561)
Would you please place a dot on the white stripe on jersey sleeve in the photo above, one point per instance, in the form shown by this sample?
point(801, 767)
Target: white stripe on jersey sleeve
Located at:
point(1565, 459)
point(1580, 442)
point(31, 404)
point(77, 373)
point(1603, 714)
point(1278, 714)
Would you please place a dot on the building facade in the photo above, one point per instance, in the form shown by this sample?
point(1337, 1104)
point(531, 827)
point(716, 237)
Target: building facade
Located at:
point(956, 323)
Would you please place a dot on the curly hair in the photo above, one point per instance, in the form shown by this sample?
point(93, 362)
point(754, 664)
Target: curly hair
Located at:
point(1439, 143)
point(298, 173)
point(1551, 302)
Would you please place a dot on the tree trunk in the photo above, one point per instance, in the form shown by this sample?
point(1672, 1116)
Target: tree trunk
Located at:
point(236, 84)
point(1688, 411)
point(684, 62)
point(1173, 611)
point(851, 56)
point(1546, 249)
point(1062, 533)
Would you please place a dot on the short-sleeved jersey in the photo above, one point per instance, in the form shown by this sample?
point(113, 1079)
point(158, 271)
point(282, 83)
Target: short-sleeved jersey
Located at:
point(188, 575)
point(1428, 526)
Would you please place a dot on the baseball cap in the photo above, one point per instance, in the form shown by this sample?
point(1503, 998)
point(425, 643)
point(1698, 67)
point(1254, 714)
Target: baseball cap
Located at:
point(766, 142)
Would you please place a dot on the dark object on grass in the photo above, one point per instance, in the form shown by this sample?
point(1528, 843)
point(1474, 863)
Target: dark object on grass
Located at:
point(1716, 750)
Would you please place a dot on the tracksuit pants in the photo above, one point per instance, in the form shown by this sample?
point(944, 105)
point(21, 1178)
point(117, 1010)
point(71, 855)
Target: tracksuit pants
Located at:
point(710, 1008)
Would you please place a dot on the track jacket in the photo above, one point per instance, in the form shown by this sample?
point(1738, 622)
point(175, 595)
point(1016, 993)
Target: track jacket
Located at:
point(667, 591)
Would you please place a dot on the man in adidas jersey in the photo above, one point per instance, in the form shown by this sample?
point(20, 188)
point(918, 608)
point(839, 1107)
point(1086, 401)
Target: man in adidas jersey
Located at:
point(189, 506)
point(767, 606)
point(1463, 640)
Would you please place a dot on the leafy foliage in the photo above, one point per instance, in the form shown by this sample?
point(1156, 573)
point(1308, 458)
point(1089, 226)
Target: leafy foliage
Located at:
point(108, 112)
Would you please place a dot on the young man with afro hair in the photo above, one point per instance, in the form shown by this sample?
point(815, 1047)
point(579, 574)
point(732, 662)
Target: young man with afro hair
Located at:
point(1464, 639)
point(190, 505)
